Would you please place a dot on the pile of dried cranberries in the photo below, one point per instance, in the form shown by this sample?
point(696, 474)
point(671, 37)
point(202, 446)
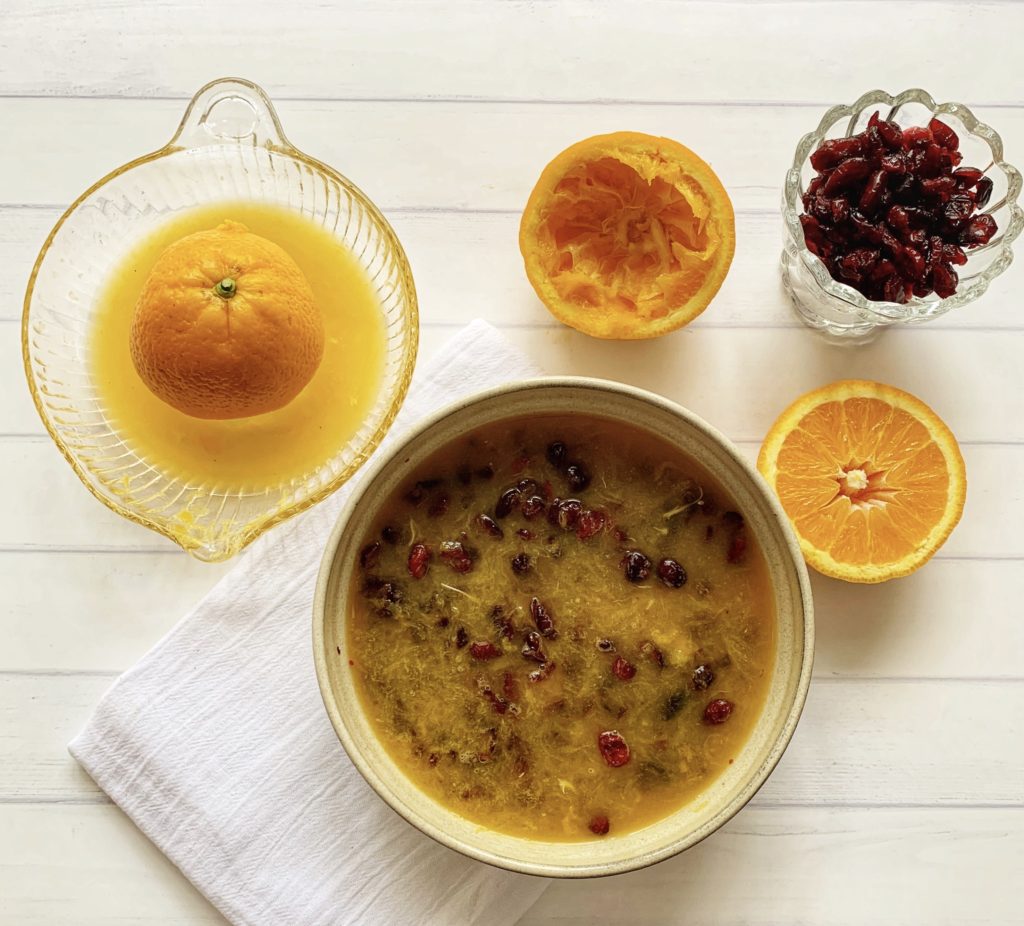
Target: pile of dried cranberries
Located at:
point(890, 211)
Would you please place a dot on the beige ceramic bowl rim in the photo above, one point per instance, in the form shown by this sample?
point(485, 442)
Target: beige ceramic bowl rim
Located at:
point(758, 776)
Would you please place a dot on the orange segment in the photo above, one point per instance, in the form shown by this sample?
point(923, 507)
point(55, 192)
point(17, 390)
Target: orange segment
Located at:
point(627, 235)
point(226, 325)
point(870, 476)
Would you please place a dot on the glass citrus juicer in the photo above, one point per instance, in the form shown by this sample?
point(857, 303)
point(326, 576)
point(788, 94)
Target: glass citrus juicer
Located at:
point(229, 148)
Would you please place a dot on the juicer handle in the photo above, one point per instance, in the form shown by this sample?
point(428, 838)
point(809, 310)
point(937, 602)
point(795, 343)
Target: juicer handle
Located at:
point(230, 111)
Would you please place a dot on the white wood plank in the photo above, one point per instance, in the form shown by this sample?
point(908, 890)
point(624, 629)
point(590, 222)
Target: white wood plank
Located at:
point(951, 619)
point(68, 612)
point(853, 745)
point(467, 264)
point(62, 612)
point(479, 156)
point(66, 516)
point(39, 715)
point(515, 50)
point(739, 379)
point(820, 867)
point(88, 865)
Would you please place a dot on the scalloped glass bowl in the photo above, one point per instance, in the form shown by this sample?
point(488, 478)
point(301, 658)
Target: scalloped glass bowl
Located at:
point(838, 310)
point(229, 147)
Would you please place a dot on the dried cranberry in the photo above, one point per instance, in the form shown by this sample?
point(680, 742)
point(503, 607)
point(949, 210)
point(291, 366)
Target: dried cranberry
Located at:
point(650, 651)
point(489, 525)
point(846, 175)
point(636, 565)
point(613, 747)
point(438, 505)
point(983, 192)
point(375, 587)
point(567, 513)
point(532, 505)
point(978, 231)
point(911, 263)
point(538, 675)
point(958, 208)
point(814, 237)
point(871, 197)
point(369, 555)
point(943, 134)
point(419, 559)
point(891, 134)
point(590, 523)
point(503, 623)
point(542, 619)
point(499, 703)
point(953, 254)
point(455, 554)
point(419, 491)
point(461, 638)
point(623, 669)
point(577, 476)
point(967, 177)
point(737, 547)
point(557, 453)
point(894, 164)
point(484, 650)
point(894, 289)
point(532, 647)
point(520, 563)
point(671, 573)
point(917, 136)
point(599, 825)
point(939, 187)
point(831, 152)
point(506, 502)
point(703, 677)
point(717, 711)
point(389, 534)
point(674, 703)
point(944, 280)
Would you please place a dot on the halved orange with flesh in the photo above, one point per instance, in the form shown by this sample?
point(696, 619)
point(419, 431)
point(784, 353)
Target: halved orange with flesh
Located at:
point(627, 235)
point(872, 479)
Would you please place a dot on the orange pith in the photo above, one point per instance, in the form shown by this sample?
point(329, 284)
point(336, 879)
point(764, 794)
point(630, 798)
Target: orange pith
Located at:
point(627, 235)
point(870, 476)
point(226, 325)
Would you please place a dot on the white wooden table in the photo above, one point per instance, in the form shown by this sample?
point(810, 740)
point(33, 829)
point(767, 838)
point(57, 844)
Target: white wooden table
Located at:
point(901, 799)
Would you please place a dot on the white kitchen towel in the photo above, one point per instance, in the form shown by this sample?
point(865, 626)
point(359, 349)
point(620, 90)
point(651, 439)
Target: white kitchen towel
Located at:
point(217, 744)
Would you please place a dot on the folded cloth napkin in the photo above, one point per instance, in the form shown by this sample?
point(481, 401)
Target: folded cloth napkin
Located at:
point(217, 744)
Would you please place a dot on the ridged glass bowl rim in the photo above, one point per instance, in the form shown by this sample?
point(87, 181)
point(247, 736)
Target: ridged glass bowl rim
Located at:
point(917, 307)
point(280, 145)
